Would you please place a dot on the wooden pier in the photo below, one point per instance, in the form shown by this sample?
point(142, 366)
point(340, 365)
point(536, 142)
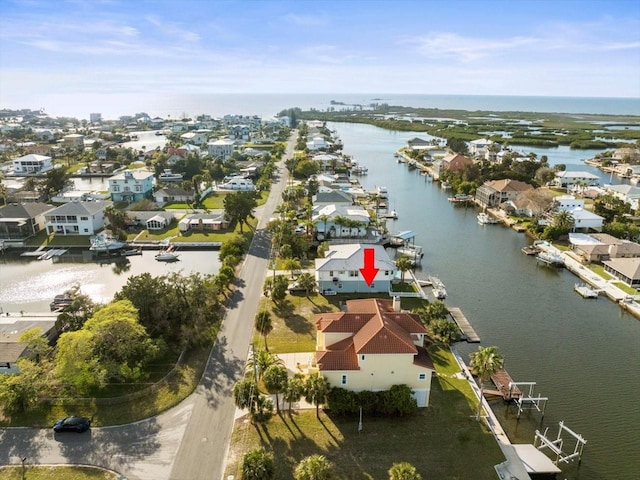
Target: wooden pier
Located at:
point(504, 383)
point(463, 324)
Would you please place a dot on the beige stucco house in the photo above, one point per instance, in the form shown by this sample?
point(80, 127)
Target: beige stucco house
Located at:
point(373, 346)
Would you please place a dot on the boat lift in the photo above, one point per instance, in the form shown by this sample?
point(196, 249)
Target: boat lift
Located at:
point(556, 445)
point(529, 402)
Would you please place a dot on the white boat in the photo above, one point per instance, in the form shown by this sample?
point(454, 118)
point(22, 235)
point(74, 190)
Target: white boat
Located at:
point(551, 258)
point(445, 186)
point(169, 176)
point(393, 215)
point(486, 219)
point(413, 252)
point(359, 169)
point(238, 183)
point(105, 242)
point(437, 288)
point(167, 255)
point(382, 192)
point(585, 290)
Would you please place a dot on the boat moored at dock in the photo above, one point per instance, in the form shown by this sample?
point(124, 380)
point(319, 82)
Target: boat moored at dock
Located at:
point(550, 258)
point(486, 219)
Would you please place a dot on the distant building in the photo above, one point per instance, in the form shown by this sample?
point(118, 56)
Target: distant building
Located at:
point(221, 148)
point(73, 140)
point(493, 193)
point(95, 117)
point(567, 178)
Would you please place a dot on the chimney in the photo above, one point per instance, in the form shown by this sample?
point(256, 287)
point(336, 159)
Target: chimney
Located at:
point(396, 304)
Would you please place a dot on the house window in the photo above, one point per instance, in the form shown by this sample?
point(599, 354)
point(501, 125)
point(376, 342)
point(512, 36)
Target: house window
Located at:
point(331, 273)
point(86, 230)
point(138, 188)
point(343, 381)
point(353, 273)
point(386, 273)
point(84, 219)
point(373, 285)
point(116, 188)
point(422, 376)
point(362, 357)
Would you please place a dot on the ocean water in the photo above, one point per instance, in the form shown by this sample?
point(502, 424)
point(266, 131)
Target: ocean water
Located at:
point(266, 105)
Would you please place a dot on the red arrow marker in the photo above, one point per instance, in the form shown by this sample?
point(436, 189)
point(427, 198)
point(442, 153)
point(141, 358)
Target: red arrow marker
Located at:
point(369, 271)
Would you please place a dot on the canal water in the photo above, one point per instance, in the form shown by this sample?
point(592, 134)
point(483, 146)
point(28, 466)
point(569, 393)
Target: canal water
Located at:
point(29, 285)
point(583, 354)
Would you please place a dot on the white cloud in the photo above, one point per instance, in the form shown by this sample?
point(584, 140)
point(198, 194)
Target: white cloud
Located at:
point(173, 29)
point(306, 20)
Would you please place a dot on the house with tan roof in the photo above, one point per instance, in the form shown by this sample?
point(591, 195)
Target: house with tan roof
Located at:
point(627, 270)
point(373, 346)
point(493, 193)
point(454, 162)
point(599, 247)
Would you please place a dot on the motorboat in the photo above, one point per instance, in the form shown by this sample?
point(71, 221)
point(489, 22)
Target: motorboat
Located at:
point(486, 219)
point(169, 176)
point(358, 169)
point(437, 288)
point(551, 258)
point(168, 254)
point(105, 242)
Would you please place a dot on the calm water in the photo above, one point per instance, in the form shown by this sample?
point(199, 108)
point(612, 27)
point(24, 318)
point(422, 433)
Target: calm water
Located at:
point(180, 105)
point(30, 285)
point(583, 354)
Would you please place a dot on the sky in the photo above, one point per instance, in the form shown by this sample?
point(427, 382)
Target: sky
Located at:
point(84, 51)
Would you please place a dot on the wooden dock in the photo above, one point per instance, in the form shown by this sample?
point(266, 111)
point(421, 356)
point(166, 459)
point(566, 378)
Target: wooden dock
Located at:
point(503, 382)
point(463, 324)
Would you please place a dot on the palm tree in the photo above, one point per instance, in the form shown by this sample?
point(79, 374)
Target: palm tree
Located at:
point(314, 467)
point(403, 263)
point(403, 471)
point(316, 389)
point(275, 380)
point(264, 325)
point(258, 465)
point(484, 363)
point(307, 282)
point(563, 220)
point(294, 390)
point(260, 361)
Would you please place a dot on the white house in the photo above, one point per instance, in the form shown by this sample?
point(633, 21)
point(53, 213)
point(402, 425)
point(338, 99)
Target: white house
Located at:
point(339, 270)
point(567, 202)
point(222, 148)
point(626, 193)
point(318, 142)
point(157, 222)
point(327, 224)
point(32, 163)
point(76, 218)
point(479, 147)
point(131, 185)
point(74, 140)
point(567, 178)
point(195, 138)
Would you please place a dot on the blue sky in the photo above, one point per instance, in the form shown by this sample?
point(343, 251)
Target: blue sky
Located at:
point(85, 48)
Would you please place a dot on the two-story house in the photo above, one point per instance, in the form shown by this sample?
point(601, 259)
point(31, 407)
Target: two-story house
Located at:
point(19, 221)
point(493, 193)
point(373, 346)
point(340, 220)
point(339, 270)
point(131, 185)
point(76, 218)
point(32, 163)
point(565, 179)
point(222, 148)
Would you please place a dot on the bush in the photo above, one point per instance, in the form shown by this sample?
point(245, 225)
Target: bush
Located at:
point(397, 401)
point(342, 402)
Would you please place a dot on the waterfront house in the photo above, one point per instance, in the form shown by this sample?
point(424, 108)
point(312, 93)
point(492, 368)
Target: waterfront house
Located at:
point(340, 220)
point(204, 222)
point(598, 247)
point(32, 163)
point(12, 327)
point(493, 193)
point(19, 221)
point(531, 203)
point(76, 218)
point(131, 185)
point(159, 221)
point(10, 352)
point(627, 270)
point(175, 154)
point(46, 150)
point(173, 194)
point(454, 162)
point(567, 202)
point(566, 179)
point(194, 138)
point(626, 193)
point(332, 197)
point(478, 148)
point(373, 346)
point(222, 148)
point(584, 220)
point(318, 142)
point(328, 162)
point(339, 270)
point(626, 154)
point(417, 142)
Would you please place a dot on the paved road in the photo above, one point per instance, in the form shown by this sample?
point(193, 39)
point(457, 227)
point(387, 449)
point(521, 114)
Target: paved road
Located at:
point(189, 441)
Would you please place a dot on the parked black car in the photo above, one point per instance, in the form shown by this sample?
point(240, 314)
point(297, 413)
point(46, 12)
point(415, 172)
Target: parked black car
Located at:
point(72, 424)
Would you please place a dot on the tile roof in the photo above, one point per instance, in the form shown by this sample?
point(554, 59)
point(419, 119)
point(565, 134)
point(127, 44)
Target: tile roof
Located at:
point(376, 327)
point(79, 208)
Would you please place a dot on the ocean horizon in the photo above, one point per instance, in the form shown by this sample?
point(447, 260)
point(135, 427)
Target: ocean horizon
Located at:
point(112, 106)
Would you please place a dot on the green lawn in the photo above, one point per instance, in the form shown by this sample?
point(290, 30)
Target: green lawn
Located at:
point(56, 473)
point(443, 441)
point(599, 269)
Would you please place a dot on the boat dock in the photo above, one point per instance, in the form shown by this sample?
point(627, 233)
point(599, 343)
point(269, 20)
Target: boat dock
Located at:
point(505, 385)
point(586, 291)
point(463, 324)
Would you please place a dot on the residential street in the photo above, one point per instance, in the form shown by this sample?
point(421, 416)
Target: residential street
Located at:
point(189, 441)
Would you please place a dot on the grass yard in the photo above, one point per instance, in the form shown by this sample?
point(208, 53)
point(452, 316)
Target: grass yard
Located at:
point(599, 269)
point(443, 441)
point(294, 329)
point(56, 473)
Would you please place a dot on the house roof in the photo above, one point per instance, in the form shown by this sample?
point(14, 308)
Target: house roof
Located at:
point(629, 267)
point(334, 196)
point(375, 328)
point(574, 174)
point(174, 191)
point(32, 157)
point(508, 185)
point(24, 210)
point(354, 212)
point(79, 208)
point(137, 174)
point(350, 257)
point(582, 214)
point(11, 351)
